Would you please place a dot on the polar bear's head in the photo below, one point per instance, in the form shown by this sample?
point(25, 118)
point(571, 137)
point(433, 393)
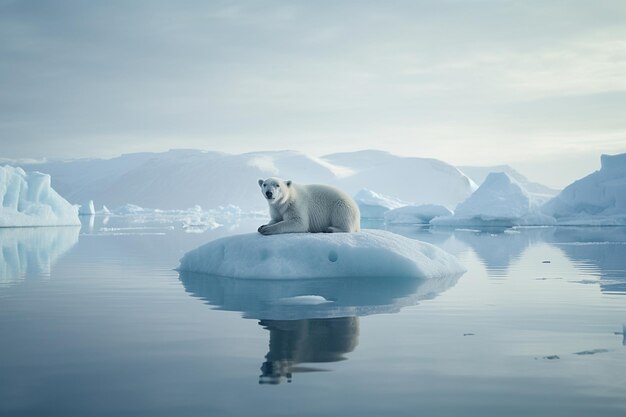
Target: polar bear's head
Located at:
point(274, 189)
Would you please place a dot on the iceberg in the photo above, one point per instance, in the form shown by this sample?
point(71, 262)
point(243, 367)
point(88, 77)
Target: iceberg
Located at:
point(537, 191)
point(369, 253)
point(499, 201)
point(27, 199)
point(421, 214)
point(597, 199)
point(374, 205)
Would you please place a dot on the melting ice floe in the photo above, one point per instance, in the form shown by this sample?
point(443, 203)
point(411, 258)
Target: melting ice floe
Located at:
point(370, 253)
point(27, 199)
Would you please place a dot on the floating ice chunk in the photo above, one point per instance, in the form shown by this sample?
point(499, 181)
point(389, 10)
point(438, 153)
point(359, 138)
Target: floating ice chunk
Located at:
point(370, 253)
point(127, 209)
point(304, 300)
point(375, 205)
point(27, 199)
point(87, 209)
point(416, 214)
point(499, 201)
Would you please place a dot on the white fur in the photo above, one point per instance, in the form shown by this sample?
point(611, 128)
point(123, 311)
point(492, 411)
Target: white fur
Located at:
point(298, 208)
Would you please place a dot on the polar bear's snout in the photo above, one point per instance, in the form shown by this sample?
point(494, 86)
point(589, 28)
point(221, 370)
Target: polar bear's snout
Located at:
point(271, 189)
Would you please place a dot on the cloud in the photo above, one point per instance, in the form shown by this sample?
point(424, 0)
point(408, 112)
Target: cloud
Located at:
point(449, 79)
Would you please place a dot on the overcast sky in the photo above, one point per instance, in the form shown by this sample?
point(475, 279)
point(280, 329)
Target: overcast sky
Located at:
point(540, 85)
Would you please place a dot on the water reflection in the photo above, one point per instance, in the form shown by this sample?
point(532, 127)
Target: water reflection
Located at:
point(293, 342)
point(312, 298)
point(28, 252)
point(596, 250)
point(499, 247)
point(599, 251)
point(313, 320)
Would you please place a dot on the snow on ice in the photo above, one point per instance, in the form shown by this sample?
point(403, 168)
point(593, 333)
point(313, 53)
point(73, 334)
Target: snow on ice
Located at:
point(370, 253)
point(27, 199)
point(421, 214)
point(597, 199)
point(374, 205)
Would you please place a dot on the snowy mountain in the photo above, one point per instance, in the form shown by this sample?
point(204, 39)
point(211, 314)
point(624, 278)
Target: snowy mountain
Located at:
point(418, 180)
point(598, 198)
point(539, 192)
point(186, 178)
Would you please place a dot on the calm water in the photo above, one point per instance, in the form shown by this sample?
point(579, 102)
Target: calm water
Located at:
point(96, 322)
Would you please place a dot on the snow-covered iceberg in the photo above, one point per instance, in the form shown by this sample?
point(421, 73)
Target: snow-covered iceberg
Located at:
point(499, 201)
point(369, 253)
point(27, 199)
point(421, 214)
point(597, 199)
point(538, 192)
point(374, 205)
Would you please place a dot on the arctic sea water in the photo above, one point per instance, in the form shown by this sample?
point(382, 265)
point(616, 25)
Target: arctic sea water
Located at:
point(96, 321)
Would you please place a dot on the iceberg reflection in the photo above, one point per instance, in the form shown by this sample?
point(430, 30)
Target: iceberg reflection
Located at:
point(598, 250)
point(497, 248)
point(312, 320)
point(31, 251)
point(313, 298)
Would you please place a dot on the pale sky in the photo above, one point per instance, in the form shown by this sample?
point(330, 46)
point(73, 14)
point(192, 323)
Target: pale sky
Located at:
point(539, 85)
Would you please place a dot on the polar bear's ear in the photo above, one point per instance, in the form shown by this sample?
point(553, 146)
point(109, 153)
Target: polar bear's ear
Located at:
point(261, 183)
point(288, 182)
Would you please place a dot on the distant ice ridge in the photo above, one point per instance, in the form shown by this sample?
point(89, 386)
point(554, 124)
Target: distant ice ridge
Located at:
point(369, 253)
point(597, 199)
point(421, 214)
point(184, 178)
point(27, 199)
point(499, 201)
point(375, 205)
point(194, 219)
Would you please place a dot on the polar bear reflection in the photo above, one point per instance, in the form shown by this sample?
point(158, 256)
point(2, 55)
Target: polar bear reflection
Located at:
point(293, 342)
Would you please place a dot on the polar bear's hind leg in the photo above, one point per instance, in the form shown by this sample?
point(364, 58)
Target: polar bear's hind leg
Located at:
point(345, 218)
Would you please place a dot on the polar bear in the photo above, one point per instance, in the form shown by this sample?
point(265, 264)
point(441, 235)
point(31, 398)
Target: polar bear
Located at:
point(298, 208)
